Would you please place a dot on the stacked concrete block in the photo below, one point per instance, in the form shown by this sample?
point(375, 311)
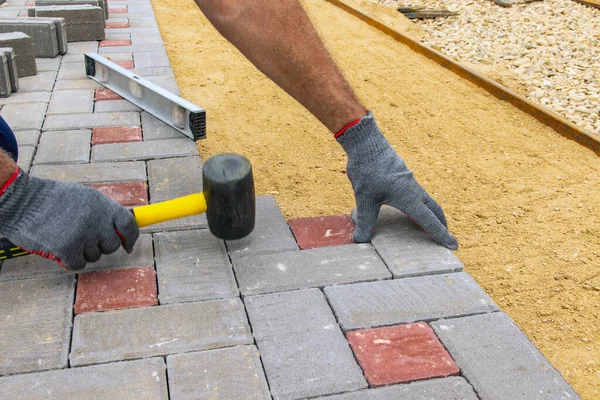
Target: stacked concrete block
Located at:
point(84, 22)
point(5, 86)
point(10, 66)
point(96, 3)
point(61, 32)
point(24, 51)
point(43, 34)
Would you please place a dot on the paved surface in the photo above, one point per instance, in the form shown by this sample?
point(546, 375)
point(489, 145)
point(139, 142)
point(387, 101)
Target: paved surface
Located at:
point(189, 316)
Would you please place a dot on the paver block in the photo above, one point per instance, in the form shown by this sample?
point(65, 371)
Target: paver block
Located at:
point(112, 25)
point(106, 94)
point(83, 47)
point(302, 347)
point(125, 64)
point(71, 101)
point(10, 68)
point(166, 82)
point(174, 177)
point(93, 173)
point(116, 289)
point(401, 353)
point(271, 233)
point(42, 82)
point(27, 138)
point(426, 298)
point(310, 268)
point(115, 106)
point(327, 231)
point(64, 147)
point(128, 194)
point(407, 249)
point(23, 116)
point(188, 223)
point(153, 71)
point(84, 22)
point(61, 32)
point(42, 32)
point(144, 150)
point(146, 38)
point(154, 128)
point(149, 331)
point(499, 360)
point(79, 121)
point(451, 388)
point(36, 324)
point(24, 51)
point(25, 157)
point(112, 43)
point(151, 59)
point(140, 379)
point(26, 97)
point(48, 64)
point(72, 84)
point(192, 265)
point(35, 267)
point(116, 134)
point(117, 10)
point(5, 84)
point(225, 374)
point(96, 3)
point(71, 71)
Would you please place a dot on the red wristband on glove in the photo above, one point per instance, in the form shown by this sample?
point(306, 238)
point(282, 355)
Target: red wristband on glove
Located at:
point(10, 180)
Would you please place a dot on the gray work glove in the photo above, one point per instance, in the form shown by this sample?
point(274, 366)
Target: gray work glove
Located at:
point(379, 176)
point(66, 222)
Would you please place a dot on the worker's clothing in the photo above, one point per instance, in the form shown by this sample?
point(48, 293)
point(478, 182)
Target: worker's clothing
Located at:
point(8, 141)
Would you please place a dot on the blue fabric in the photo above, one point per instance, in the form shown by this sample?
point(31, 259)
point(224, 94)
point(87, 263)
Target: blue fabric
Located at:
point(8, 141)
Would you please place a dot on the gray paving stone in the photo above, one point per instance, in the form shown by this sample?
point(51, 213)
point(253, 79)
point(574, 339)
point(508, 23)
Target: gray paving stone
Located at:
point(499, 360)
point(83, 47)
point(451, 388)
point(72, 102)
point(93, 173)
point(225, 374)
point(79, 121)
point(27, 138)
point(153, 71)
point(24, 116)
point(151, 59)
point(121, 56)
point(24, 49)
point(193, 222)
point(83, 22)
point(118, 36)
point(5, 65)
point(42, 82)
point(37, 267)
point(153, 128)
point(48, 64)
point(97, 3)
point(407, 250)
point(138, 38)
point(42, 32)
point(71, 71)
point(64, 147)
point(25, 157)
point(76, 84)
point(144, 150)
point(303, 349)
point(271, 233)
point(11, 73)
point(192, 265)
point(151, 331)
point(26, 97)
point(107, 51)
point(141, 379)
point(166, 82)
point(36, 324)
point(73, 58)
point(114, 106)
point(309, 268)
point(174, 177)
point(61, 32)
point(425, 298)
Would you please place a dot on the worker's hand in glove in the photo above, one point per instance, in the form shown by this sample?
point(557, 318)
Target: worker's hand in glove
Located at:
point(66, 222)
point(379, 176)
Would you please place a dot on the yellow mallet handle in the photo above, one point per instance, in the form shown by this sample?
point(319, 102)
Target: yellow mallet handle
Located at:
point(171, 209)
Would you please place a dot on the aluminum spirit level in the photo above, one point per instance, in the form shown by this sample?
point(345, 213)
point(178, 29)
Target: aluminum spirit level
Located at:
point(182, 115)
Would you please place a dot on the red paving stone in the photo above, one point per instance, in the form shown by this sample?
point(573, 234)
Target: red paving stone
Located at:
point(401, 353)
point(106, 94)
point(117, 10)
point(116, 134)
point(116, 289)
point(30, 3)
point(125, 64)
point(128, 194)
point(114, 43)
point(116, 25)
point(314, 232)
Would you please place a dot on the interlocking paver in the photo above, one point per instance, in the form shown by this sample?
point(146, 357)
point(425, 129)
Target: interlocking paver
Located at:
point(226, 374)
point(114, 42)
point(36, 323)
point(43, 81)
point(106, 94)
point(315, 232)
point(145, 150)
point(26, 97)
point(140, 379)
point(149, 331)
point(303, 350)
point(71, 101)
point(156, 129)
point(309, 268)
point(271, 233)
point(128, 194)
point(426, 298)
point(114, 106)
point(116, 289)
point(408, 250)
point(125, 64)
point(107, 51)
point(116, 134)
point(451, 388)
point(48, 64)
point(35, 267)
point(111, 25)
point(153, 71)
point(26, 157)
point(151, 59)
point(192, 265)
point(64, 147)
point(23, 116)
point(71, 71)
point(76, 84)
point(499, 360)
point(78, 121)
point(401, 353)
point(93, 173)
point(27, 138)
point(174, 177)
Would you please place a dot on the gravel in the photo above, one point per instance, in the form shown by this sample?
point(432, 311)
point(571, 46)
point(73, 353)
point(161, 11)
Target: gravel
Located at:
point(550, 47)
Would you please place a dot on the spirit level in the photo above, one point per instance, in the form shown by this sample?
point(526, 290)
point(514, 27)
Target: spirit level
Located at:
point(182, 115)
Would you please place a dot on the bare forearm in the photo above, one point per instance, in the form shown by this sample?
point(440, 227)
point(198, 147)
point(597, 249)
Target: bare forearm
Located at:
point(279, 39)
point(7, 167)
